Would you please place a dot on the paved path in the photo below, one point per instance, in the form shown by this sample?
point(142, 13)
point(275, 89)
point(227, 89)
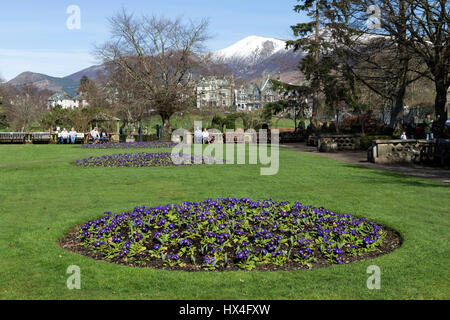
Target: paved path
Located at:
point(360, 158)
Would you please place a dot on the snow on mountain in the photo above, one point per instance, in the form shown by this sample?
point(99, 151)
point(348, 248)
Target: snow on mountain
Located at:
point(251, 50)
point(250, 57)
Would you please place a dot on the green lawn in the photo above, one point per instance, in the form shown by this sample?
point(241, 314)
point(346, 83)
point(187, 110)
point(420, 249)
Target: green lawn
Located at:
point(42, 196)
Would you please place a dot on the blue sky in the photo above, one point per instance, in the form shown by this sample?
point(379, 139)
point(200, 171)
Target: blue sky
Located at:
point(34, 36)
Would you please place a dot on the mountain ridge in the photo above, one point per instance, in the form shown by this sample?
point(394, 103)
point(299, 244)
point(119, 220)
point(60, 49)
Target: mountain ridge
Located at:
point(248, 59)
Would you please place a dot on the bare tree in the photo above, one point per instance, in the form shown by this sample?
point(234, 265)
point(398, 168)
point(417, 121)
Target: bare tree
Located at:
point(92, 93)
point(126, 97)
point(373, 56)
point(3, 121)
point(24, 105)
point(417, 32)
point(427, 34)
point(155, 56)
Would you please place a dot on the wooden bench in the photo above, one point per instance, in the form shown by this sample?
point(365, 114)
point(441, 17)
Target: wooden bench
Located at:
point(41, 137)
point(291, 137)
point(12, 137)
point(79, 139)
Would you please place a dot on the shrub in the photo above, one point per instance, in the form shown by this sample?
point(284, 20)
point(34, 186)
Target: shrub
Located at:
point(366, 141)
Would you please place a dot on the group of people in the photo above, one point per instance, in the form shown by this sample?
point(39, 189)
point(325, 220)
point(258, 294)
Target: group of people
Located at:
point(431, 128)
point(67, 137)
point(98, 137)
point(202, 137)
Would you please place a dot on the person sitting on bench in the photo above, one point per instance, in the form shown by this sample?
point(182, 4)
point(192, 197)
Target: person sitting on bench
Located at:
point(73, 135)
point(64, 136)
point(95, 135)
point(104, 136)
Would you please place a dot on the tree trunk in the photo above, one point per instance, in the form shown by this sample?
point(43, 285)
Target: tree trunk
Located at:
point(337, 120)
point(441, 100)
point(167, 131)
point(402, 81)
point(397, 108)
point(361, 123)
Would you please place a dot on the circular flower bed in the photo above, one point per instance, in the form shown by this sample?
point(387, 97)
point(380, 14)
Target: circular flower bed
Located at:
point(129, 145)
point(227, 234)
point(144, 159)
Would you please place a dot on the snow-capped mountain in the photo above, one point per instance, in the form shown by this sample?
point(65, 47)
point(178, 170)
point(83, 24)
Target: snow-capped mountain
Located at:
point(251, 49)
point(251, 56)
point(246, 59)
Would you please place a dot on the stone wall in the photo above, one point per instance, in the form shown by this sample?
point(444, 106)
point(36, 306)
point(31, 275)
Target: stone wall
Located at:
point(400, 151)
point(349, 142)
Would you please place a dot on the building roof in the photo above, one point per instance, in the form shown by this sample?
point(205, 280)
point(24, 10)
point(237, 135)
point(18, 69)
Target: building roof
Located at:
point(60, 96)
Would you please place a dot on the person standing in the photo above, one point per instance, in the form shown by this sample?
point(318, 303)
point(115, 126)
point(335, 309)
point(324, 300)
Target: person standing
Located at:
point(428, 125)
point(403, 136)
point(300, 128)
point(436, 127)
point(73, 135)
point(410, 129)
point(58, 135)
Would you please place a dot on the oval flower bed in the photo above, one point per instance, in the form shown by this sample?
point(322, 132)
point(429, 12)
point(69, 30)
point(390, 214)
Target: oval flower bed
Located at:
point(129, 145)
point(144, 159)
point(227, 234)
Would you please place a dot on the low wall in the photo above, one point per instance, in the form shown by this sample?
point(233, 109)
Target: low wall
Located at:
point(400, 151)
point(343, 141)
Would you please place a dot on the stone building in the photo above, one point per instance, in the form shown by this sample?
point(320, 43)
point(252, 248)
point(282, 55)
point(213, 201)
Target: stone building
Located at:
point(247, 97)
point(267, 93)
point(222, 92)
point(215, 92)
point(66, 101)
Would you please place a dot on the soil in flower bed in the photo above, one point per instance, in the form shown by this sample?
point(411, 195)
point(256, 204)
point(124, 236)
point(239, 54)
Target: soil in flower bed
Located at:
point(145, 159)
point(231, 234)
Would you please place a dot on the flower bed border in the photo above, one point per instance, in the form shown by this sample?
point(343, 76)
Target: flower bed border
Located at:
point(391, 241)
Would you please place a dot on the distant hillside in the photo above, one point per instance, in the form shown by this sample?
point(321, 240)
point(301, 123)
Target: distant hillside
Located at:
point(92, 73)
point(246, 59)
point(67, 84)
point(43, 81)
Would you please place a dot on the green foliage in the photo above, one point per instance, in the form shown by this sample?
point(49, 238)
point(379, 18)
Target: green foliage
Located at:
point(3, 122)
point(366, 141)
point(238, 120)
point(79, 118)
point(58, 116)
point(273, 108)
